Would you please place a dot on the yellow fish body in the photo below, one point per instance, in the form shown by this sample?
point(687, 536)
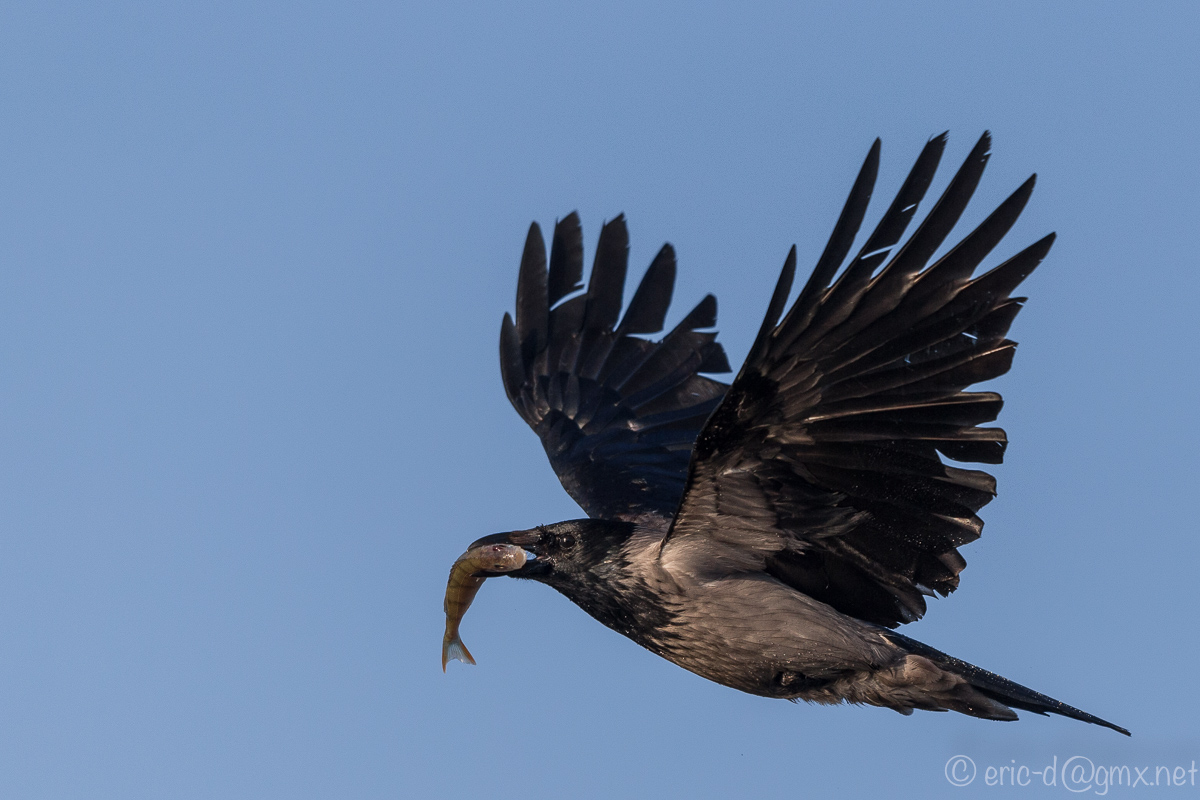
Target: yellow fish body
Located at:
point(464, 583)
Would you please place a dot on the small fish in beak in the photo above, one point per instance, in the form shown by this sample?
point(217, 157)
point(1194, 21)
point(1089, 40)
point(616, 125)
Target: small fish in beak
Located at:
point(463, 584)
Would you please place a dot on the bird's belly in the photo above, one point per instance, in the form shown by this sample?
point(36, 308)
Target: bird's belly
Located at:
point(758, 636)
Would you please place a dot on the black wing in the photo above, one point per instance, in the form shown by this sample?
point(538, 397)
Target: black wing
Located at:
point(822, 464)
point(617, 414)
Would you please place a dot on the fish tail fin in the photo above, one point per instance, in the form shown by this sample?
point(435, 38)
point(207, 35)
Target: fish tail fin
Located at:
point(455, 650)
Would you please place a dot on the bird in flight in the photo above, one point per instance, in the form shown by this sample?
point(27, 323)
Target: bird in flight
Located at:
point(769, 534)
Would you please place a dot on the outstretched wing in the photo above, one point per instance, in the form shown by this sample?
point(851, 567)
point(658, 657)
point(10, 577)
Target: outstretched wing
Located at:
point(617, 414)
point(821, 466)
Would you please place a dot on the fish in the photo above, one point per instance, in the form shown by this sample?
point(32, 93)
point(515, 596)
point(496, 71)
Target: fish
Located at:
point(464, 583)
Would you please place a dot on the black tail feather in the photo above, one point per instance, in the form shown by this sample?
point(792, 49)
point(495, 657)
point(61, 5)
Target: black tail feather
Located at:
point(999, 688)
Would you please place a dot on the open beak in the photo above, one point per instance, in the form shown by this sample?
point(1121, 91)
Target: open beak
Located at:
point(526, 540)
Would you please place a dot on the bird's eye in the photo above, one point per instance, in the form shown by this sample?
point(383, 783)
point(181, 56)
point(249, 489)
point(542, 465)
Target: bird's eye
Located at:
point(567, 541)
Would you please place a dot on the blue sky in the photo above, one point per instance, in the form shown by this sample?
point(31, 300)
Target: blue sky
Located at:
point(253, 260)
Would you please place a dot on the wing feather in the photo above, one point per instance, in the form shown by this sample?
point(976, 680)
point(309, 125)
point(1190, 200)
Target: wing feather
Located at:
point(617, 414)
point(823, 464)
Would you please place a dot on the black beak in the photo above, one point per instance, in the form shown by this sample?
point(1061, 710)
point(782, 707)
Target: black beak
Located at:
point(526, 540)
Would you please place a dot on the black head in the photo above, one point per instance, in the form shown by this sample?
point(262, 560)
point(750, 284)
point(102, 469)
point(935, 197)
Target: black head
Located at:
point(586, 560)
point(564, 551)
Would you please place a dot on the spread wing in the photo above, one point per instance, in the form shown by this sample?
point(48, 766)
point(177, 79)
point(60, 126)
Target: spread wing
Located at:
point(618, 414)
point(822, 463)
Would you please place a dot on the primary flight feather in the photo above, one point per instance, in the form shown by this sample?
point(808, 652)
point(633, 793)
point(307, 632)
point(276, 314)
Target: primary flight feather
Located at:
point(770, 533)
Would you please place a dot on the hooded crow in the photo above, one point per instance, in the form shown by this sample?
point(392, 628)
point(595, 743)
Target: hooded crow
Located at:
point(770, 533)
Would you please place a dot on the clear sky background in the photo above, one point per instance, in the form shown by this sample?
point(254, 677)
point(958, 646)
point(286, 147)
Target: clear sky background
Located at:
point(253, 260)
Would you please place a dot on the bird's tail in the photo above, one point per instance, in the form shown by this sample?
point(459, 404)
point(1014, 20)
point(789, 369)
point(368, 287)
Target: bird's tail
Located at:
point(999, 693)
